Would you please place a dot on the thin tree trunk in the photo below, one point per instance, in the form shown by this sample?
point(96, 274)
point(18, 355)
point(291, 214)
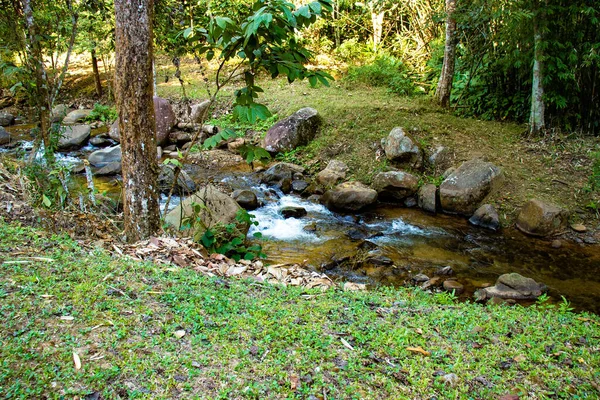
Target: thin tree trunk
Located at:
point(96, 73)
point(377, 21)
point(536, 117)
point(133, 85)
point(444, 87)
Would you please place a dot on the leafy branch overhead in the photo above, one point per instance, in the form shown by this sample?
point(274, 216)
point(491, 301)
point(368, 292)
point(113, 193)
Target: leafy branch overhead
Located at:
point(264, 41)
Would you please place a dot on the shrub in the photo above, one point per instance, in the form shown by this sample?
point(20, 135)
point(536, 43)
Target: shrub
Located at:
point(102, 113)
point(385, 71)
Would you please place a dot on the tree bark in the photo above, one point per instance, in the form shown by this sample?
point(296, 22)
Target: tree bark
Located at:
point(444, 87)
point(536, 117)
point(97, 80)
point(133, 85)
point(377, 21)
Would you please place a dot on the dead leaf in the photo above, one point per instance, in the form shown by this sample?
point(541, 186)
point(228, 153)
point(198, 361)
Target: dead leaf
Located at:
point(77, 361)
point(294, 382)
point(346, 344)
point(419, 331)
point(520, 358)
point(353, 287)
point(67, 318)
point(418, 350)
point(179, 333)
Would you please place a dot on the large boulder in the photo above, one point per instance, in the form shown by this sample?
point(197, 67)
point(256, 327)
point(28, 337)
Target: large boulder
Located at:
point(166, 177)
point(198, 111)
point(165, 121)
point(349, 196)
point(512, 286)
point(335, 171)
point(439, 158)
point(395, 185)
point(102, 158)
point(402, 149)
point(58, 113)
point(246, 199)
point(468, 186)
point(112, 168)
point(73, 137)
point(296, 130)
point(281, 171)
point(6, 118)
point(76, 116)
point(217, 208)
point(541, 219)
point(486, 216)
point(427, 198)
point(4, 136)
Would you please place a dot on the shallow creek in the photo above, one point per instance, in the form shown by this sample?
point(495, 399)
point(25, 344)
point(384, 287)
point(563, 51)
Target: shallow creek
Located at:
point(388, 245)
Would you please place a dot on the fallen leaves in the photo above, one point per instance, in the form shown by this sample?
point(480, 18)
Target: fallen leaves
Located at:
point(179, 333)
point(76, 361)
point(419, 350)
point(67, 318)
point(346, 344)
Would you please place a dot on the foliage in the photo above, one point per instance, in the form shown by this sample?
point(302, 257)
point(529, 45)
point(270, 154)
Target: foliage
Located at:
point(58, 298)
point(48, 184)
point(104, 113)
point(385, 71)
point(594, 179)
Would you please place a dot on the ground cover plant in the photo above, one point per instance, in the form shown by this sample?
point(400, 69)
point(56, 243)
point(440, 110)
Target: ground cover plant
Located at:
point(79, 322)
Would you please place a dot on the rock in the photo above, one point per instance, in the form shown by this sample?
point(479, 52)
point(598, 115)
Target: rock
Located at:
point(410, 202)
point(112, 168)
point(235, 145)
point(349, 196)
point(400, 148)
point(285, 185)
point(312, 227)
point(556, 244)
point(293, 212)
point(468, 186)
point(579, 228)
point(452, 285)
point(102, 158)
point(439, 158)
point(101, 141)
point(335, 171)
point(76, 116)
point(170, 148)
point(486, 217)
point(4, 136)
point(356, 234)
point(166, 177)
point(6, 118)
point(299, 186)
point(159, 152)
point(395, 185)
point(165, 121)
point(73, 137)
point(180, 138)
point(296, 130)
point(541, 219)
point(58, 113)
point(444, 271)
point(218, 208)
point(281, 171)
point(420, 278)
point(197, 112)
point(246, 198)
point(513, 286)
point(427, 198)
point(448, 172)
point(378, 260)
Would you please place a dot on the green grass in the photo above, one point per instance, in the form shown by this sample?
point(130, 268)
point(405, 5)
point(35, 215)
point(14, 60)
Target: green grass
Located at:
point(250, 340)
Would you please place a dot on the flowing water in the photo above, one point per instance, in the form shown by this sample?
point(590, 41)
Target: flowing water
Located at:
point(389, 245)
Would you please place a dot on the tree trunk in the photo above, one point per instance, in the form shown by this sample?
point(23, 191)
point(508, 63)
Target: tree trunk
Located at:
point(96, 73)
point(133, 87)
point(36, 63)
point(536, 118)
point(377, 21)
point(444, 87)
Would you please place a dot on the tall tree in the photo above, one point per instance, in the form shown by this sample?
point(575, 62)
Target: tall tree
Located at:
point(444, 87)
point(537, 117)
point(133, 84)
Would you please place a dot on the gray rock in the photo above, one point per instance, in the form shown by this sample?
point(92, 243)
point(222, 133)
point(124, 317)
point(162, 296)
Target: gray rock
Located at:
point(452, 285)
point(296, 130)
point(6, 118)
point(180, 138)
point(512, 286)
point(246, 199)
point(448, 172)
point(468, 186)
point(427, 198)
point(4, 137)
point(73, 137)
point(165, 121)
point(101, 141)
point(420, 278)
point(198, 111)
point(402, 149)
point(335, 171)
point(112, 168)
point(76, 116)
point(439, 158)
point(541, 219)
point(218, 208)
point(281, 171)
point(349, 196)
point(58, 113)
point(104, 157)
point(113, 132)
point(395, 185)
point(486, 217)
point(293, 212)
point(299, 186)
point(166, 177)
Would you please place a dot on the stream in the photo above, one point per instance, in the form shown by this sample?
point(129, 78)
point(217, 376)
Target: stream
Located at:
point(388, 245)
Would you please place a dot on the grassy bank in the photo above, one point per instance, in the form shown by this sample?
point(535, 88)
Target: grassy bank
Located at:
point(147, 331)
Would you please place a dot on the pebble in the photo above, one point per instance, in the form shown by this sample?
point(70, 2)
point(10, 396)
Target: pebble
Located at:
point(579, 228)
point(556, 244)
point(452, 285)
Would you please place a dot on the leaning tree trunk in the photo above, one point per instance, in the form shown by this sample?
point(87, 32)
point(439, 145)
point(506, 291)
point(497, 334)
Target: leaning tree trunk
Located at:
point(133, 86)
point(96, 73)
point(444, 87)
point(536, 117)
